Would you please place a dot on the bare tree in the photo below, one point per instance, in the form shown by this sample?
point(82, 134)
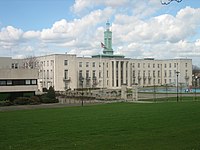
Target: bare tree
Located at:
point(167, 2)
point(195, 70)
point(31, 62)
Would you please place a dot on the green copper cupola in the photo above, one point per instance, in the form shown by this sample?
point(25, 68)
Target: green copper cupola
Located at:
point(107, 45)
point(108, 40)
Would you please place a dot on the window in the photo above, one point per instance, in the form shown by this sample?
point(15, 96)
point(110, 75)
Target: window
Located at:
point(47, 63)
point(153, 65)
point(51, 74)
point(158, 73)
point(99, 74)
point(27, 82)
point(170, 65)
point(66, 74)
point(148, 65)
point(47, 74)
point(133, 65)
point(2, 82)
point(14, 65)
point(93, 64)
point(133, 73)
point(18, 82)
point(87, 74)
point(52, 62)
point(93, 74)
point(65, 62)
point(158, 81)
point(158, 65)
point(165, 73)
point(87, 64)
point(165, 65)
point(80, 74)
point(80, 64)
point(9, 82)
point(33, 82)
point(44, 74)
point(174, 65)
point(138, 65)
point(186, 65)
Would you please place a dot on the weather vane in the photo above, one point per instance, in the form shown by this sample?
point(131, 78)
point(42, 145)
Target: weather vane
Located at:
point(169, 1)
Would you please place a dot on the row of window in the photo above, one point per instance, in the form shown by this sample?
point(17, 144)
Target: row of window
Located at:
point(158, 65)
point(169, 81)
point(87, 75)
point(169, 73)
point(51, 62)
point(18, 82)
point(87, 64)
point(46, 74)
point(47, 63)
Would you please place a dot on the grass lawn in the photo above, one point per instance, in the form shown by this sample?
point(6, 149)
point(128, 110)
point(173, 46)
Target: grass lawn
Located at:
point(156, 126)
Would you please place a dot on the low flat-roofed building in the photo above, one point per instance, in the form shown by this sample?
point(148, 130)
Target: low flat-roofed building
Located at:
point(15, 81)
point(18, 83)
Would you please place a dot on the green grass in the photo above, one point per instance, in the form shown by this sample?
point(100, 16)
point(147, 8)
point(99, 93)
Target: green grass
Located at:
point(156, 126)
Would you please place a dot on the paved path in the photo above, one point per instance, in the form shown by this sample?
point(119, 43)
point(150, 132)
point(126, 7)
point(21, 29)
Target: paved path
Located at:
point(28, 107)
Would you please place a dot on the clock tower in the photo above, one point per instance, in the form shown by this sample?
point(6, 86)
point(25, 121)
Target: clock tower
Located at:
point(108, 40)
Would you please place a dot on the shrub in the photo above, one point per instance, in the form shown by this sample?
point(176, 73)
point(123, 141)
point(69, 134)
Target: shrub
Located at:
point(22, 101)
point(46, 99)
point(35, 100)
point(5, 103)
point(27, 100)
point(51, 93)
point(49, 97)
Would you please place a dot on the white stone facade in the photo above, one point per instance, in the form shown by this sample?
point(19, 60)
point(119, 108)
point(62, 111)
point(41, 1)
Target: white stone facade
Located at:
point(67, 71)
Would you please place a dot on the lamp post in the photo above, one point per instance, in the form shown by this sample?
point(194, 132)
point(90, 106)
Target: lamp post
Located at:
point(177, 73)
point(82, 91)
point(195, 84)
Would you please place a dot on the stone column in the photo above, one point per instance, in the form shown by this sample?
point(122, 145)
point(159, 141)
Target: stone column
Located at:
point(134, 92)
point(114, 73)
point(123, 92)
point(119, 73)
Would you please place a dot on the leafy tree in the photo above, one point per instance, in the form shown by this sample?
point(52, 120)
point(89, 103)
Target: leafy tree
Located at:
point(51, 93)
point(50, 96)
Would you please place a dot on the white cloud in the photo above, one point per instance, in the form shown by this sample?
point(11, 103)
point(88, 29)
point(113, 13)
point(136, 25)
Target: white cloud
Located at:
point(137, 8)
point(163, 36)
point(31, 34)
point(10, 34)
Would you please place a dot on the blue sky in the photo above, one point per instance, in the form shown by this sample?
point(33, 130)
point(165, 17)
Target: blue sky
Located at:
point(140, 28)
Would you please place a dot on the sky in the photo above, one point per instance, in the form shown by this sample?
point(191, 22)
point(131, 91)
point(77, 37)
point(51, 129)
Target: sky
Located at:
point(141, 28)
